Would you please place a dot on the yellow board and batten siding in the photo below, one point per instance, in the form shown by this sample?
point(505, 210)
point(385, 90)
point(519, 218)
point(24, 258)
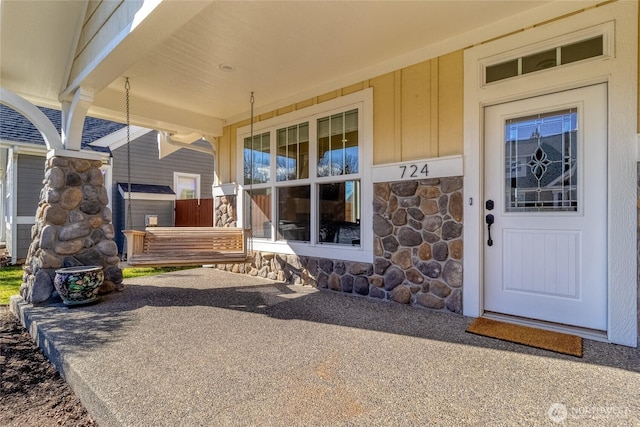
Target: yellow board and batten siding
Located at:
point(417, 114)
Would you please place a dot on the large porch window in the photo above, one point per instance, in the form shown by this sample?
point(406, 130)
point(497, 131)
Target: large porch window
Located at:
point(302, 181)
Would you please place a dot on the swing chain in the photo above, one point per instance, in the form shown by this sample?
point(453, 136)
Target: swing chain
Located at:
point(250, 240)
point(127, 87)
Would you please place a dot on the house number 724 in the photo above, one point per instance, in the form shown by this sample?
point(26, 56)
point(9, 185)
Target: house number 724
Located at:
point(414, 171)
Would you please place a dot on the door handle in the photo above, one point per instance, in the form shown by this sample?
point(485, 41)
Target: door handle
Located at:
point(489, 219)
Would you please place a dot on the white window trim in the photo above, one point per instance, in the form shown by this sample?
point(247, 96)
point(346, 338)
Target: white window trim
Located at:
point(363, 100)
point(177, 175)
point(620, 73)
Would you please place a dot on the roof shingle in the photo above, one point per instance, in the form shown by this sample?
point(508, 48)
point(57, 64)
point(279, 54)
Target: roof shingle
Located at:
point(15, 127)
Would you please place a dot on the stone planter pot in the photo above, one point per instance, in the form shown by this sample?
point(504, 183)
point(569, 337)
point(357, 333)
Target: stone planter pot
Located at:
point(78, 285)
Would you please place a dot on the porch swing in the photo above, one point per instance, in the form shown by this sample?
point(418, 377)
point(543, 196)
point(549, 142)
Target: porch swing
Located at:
point(181, 246)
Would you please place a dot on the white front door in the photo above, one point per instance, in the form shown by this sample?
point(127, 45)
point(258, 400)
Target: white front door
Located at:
point(545, 254)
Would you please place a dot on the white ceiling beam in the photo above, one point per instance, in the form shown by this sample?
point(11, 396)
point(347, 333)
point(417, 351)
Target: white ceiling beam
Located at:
point(109, 105)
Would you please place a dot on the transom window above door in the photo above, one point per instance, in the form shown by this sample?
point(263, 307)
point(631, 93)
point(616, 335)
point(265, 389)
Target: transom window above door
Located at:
point(549, 58)
point(588, 44)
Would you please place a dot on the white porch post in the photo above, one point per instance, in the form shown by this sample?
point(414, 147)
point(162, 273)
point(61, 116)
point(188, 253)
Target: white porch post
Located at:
point(73, 116)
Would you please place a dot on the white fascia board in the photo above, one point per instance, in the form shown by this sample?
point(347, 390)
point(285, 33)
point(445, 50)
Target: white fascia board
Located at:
point(119, 138)
point(25, 148)
point(148, 196)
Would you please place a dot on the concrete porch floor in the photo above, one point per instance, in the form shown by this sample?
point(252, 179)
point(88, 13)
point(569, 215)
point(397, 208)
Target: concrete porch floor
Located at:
point(204, 347)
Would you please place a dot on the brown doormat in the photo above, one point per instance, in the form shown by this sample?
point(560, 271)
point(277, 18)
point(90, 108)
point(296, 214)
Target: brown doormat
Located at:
point(539, 338)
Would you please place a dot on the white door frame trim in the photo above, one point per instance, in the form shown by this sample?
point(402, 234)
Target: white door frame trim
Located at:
point(620, 73)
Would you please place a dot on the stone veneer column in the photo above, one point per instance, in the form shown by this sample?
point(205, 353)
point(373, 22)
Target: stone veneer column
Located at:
point(73, 227)
point(225, 211)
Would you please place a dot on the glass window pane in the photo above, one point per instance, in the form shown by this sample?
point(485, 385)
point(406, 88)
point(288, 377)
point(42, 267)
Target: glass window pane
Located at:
point(292, 134)
point(187, 187)
point(337, 155)
point(338, 144)
point(283, 161)
point(304, 132)
point(293, 153)
point(539, 61)
point(303, 165)
point(324, 157)
point(582, 50)
point(501, 71)
point(337, 124)
point(541, 166)
point(351, 121)
point(351, 152)
point(281, 138)
point(257, 160)
point(324, 150)
point(294, 213)
point(258, 212)
point(339, 206)
point(323, 127)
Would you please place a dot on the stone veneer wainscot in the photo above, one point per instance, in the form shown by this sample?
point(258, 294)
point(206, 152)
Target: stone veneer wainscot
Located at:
point(417, 229)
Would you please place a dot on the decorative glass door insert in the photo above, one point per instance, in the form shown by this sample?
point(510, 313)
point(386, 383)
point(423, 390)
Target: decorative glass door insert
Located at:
point(541, 162)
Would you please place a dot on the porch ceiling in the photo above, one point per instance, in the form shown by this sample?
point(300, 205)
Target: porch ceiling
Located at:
point(283, 51)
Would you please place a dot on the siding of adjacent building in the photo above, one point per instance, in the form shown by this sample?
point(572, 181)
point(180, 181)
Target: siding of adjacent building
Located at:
point(146, 168)
point(23, 236)
point(30, 175)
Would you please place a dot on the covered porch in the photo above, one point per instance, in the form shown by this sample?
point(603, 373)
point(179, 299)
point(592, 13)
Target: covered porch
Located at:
point(350, 136)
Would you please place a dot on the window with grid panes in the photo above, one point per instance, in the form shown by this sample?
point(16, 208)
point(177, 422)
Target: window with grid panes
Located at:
point(316, 190)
